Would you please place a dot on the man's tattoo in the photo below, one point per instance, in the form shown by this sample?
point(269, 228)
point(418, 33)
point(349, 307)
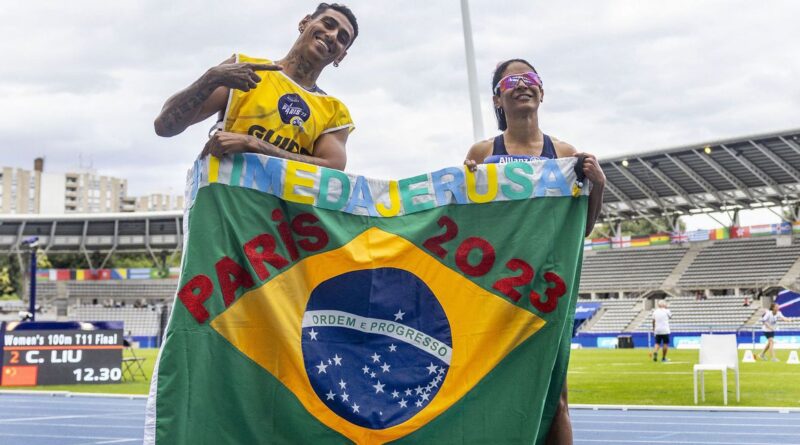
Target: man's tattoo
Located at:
point(304, 68)
point(176, 117)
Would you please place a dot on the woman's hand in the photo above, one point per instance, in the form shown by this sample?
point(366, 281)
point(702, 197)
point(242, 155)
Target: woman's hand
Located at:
point(592, 169)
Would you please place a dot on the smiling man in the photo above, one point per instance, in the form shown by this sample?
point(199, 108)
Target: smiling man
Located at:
point(274, 107)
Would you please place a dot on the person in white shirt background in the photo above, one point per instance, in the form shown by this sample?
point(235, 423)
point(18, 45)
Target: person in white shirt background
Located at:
point(661, 318)
point(769, 325)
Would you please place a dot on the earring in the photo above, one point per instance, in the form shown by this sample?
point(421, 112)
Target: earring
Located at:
point(336, 64)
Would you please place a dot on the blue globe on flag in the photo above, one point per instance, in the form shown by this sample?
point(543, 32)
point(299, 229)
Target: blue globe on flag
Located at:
point(376, 345)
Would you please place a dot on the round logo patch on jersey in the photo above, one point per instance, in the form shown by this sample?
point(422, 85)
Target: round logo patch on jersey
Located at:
point(293, 109)
point(376, 345)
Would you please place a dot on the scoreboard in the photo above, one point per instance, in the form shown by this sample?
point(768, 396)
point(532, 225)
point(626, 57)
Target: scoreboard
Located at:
point(86, 355)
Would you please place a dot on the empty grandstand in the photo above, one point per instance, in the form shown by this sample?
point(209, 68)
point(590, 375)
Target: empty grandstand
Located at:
point(644, 269)
point(741, 263)
point(614, 316)
point(724, 313)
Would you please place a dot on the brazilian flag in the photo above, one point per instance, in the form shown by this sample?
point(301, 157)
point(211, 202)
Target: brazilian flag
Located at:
point(316, 306)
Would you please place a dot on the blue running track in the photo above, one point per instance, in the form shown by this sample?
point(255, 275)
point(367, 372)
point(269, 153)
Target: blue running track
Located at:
point(33, 419)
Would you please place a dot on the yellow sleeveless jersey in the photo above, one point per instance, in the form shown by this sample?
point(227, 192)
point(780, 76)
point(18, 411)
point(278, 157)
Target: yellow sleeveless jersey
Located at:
point(283, 113)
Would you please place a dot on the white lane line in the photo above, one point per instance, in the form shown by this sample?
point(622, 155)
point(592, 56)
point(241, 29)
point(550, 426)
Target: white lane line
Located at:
point(64, 401)
point(82, 416)
point(659, 372)
point(113, 441)
point(630, 415)
point(139, 425)
point(61, 409)
point(688, 433)
point(51, 436)
point(693, 442)
point(755, 425)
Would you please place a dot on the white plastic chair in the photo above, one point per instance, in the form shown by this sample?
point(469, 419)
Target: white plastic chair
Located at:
point(717, 353)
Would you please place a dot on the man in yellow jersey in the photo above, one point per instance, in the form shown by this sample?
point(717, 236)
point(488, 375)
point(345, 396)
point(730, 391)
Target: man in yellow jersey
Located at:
point(280, 111)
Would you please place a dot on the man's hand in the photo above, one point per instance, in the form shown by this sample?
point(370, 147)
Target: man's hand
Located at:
point(223, 142)
point(239, 76)
point(471, 165)
point(592, 169)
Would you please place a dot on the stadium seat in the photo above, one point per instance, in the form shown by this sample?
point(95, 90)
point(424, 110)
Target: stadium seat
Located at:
point(717, 353)
point(132, 365)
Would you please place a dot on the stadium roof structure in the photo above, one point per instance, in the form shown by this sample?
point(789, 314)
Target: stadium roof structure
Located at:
point(719, 176)
point(94, 232)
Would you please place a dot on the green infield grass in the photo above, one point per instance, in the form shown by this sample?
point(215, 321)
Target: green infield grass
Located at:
point(610, 377)
point(630, 377)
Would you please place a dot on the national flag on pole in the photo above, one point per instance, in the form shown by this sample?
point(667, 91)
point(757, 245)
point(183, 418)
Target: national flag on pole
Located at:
point(740, 232)
point(761, 230)
point(316, 306)
point(601, 244)
point(619, 242)
point(782, 228)
point(679, 237)
point(718, 234)
point(659, 239)
point(698, 235)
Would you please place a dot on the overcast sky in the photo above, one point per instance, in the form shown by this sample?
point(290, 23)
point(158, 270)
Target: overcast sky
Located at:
point(83, 80)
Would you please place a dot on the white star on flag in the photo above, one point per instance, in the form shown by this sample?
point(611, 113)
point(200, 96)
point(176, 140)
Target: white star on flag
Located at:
point(418, 389)
point(330, 395)
point(345, 396)
point(408, 392)
point(365, 369)
point(392, 348)
point(372, 374)
point(395, 394)
point(355, 407)
point(425, 397)
point(321, 368)
point(399, 315)
point(378, 387)
point(342, 384)
point(376, 358)
point(386, 367)
point(432, 368)
point(419, 403)
point(313, 334)
point(403, 403)
point(337, 359)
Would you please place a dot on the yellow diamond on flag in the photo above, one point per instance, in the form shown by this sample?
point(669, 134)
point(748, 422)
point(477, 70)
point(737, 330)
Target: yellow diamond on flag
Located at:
point(267, 324)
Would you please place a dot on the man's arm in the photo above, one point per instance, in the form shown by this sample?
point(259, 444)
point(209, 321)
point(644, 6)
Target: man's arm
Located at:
point(207, 95)
point(594, 173)
point(329, 148)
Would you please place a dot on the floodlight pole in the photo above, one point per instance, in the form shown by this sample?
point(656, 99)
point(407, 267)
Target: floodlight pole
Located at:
point(472, 76)
point(32, 293)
